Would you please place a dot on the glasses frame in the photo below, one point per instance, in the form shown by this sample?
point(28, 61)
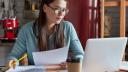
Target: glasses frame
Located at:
point(59, 10)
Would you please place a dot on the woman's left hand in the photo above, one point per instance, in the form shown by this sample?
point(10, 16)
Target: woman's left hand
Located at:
point(63, 65)
point(55, 67)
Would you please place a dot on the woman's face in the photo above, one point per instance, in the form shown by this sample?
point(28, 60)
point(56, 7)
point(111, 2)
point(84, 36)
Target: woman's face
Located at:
point(55, 11)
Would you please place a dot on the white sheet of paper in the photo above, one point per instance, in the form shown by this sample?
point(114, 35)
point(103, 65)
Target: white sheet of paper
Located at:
point(27, 69)
point(55, 56)
point(30, 69)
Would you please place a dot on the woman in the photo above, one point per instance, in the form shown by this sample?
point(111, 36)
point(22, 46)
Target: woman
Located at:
point(48, 32)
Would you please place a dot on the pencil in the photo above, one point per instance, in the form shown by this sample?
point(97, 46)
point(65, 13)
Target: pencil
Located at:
point(25, 55)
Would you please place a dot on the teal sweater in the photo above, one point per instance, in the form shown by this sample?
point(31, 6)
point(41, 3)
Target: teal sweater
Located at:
point(27, 43)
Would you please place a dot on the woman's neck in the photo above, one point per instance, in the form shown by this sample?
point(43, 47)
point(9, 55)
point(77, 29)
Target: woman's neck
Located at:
point(51, 28)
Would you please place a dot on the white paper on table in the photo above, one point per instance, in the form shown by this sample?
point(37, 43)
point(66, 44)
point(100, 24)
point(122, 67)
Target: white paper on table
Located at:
point(55, 56)
point(27, 69)
point(30, 69)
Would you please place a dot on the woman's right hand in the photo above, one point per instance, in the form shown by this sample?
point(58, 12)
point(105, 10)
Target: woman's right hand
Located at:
point(12, 64)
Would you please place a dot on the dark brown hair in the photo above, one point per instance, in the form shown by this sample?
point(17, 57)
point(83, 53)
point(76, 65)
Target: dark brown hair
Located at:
point(41, 31)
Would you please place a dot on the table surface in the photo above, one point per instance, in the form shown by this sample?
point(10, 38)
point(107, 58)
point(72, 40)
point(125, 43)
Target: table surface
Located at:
point(124, 68)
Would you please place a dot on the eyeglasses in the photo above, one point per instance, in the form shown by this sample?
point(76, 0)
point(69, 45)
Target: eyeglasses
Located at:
point(59, 10)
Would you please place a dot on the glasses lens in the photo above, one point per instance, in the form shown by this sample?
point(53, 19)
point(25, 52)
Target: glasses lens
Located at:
point(58, 11)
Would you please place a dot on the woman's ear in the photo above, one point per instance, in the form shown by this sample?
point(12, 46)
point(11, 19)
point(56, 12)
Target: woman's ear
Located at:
point(45, 8)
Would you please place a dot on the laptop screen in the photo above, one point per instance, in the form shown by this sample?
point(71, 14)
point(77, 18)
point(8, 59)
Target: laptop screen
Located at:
point(104, 54)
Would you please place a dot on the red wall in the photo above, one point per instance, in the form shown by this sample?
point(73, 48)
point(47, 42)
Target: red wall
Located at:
point(79, 16)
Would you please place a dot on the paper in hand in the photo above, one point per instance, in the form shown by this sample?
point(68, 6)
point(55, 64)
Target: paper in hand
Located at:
point(55, 56)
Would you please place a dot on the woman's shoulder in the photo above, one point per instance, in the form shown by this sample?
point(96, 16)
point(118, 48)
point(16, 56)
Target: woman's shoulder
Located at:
point(68, 24)
point(27, 27)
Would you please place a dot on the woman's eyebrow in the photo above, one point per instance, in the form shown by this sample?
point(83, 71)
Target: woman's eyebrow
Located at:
point(58, 6)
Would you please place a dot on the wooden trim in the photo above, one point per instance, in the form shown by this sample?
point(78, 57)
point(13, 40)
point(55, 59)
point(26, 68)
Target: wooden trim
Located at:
point(102, 19)
point(126, 3)
point(109, 4)
point(122, 18)
point(113, 3)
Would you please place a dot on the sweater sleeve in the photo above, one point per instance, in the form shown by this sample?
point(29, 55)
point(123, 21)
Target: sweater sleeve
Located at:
point(19, 47)
point(75, 45)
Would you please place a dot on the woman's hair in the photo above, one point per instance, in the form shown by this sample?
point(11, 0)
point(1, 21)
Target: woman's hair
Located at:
point(41, 31)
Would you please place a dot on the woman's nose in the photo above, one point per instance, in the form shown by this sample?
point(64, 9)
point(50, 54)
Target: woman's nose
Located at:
point(61, 13)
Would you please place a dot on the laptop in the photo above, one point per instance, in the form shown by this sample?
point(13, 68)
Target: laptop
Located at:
point(104, 54)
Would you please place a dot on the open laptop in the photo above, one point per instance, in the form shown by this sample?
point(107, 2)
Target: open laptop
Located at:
point(104, 54)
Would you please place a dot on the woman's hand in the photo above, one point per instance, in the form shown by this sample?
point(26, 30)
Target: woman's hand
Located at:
point(55, 67)
point(12, 64)
point(63, 65)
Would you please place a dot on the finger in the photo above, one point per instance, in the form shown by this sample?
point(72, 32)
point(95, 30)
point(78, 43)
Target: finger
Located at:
point(63, 65)
point(12, 64)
